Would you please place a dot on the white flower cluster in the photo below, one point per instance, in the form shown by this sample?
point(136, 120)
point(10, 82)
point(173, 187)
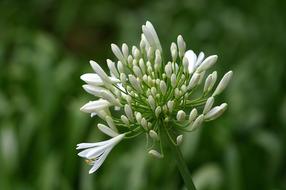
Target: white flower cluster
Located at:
point(150, 94)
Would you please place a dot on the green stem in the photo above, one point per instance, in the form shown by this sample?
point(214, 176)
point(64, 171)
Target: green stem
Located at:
point(181, 164)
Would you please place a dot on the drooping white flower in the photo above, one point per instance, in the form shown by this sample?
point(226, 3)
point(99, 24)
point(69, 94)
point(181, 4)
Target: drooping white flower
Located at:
point(96, 153)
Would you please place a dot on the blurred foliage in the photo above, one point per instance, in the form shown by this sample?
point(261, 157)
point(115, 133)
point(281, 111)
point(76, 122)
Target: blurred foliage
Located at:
point(45, 46)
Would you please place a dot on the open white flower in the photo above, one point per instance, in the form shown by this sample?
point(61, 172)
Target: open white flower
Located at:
point(96, 153)
point(151, 95)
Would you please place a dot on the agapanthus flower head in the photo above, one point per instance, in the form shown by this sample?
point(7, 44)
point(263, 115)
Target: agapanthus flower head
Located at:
point(152, 94)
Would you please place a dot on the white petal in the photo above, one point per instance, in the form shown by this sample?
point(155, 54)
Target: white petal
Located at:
point(94, 90)
point(200, 58)
point(99, 162)
point(94, 79)
point(94, 106)
point(192, 58)
point(96, 67)
point(90, 145)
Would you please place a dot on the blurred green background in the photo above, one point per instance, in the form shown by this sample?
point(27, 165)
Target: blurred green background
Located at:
point(46, 45)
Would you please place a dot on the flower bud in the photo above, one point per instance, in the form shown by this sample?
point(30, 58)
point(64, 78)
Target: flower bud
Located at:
point(207, 63)
point(158, 110)
point(115, 49)
point(198, 122)
point(174, 51)
point(110, 123)
point(181, 45)
point(137, 71)
point(151, 102)
point(125, 50)
point(155, 154)
point(138, 117)
point(163, 87)
point(144, 123)
point(124, 119)
point(154, 135)
point(208, 105)
point(181, 115)
point(179, 140)
point(173, 80)
point(215, 112)
point(168, 69)
point(142, 65)
point(194, 81)
point(106, 130)
point(120, 67)
point(112, 68)
point(135, 83)
point(193, 114)
point(128, 112)
point(223, 83)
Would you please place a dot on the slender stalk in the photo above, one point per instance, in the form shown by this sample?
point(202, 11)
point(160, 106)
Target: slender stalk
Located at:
point(181, 164)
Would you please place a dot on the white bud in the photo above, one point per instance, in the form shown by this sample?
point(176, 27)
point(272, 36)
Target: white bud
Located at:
point(177, 93)
point(215, 112)
point(120, 67)
point(207, 63)
point(110, 123)
point(193, 114)
point(110, 97)
point(184, 88)
point(129, 59)
point(125, 50)
point(202, 74)
point(223, 83)
point(151, 102)
point(158, 110)
point(168, 69)
point(194, 80)
point(200, 58)
point(138, 117)
point(181, 115)
point(153, 91)
point(208, 82)
point(125, 119)
point(158, 59)
point(170, 105)
point(122, 78)
point(208, 105)
point(128, 112)
point(137, 71)
point(112, 68)
point(163, 87)
point(198, 122)
point(99, 71)
point(153, 135)
point(145, 78)
point(181, 45)
point(106, 130)
point(142, 65)
point(173, 80)
point(214, 77)
point(185, 64)
point(150, 53)
point(144, 123)
point(174, 51)
point(155, 154)
point(179, 139)
point(135, 83)
point(151, 35)
point(115, 49)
